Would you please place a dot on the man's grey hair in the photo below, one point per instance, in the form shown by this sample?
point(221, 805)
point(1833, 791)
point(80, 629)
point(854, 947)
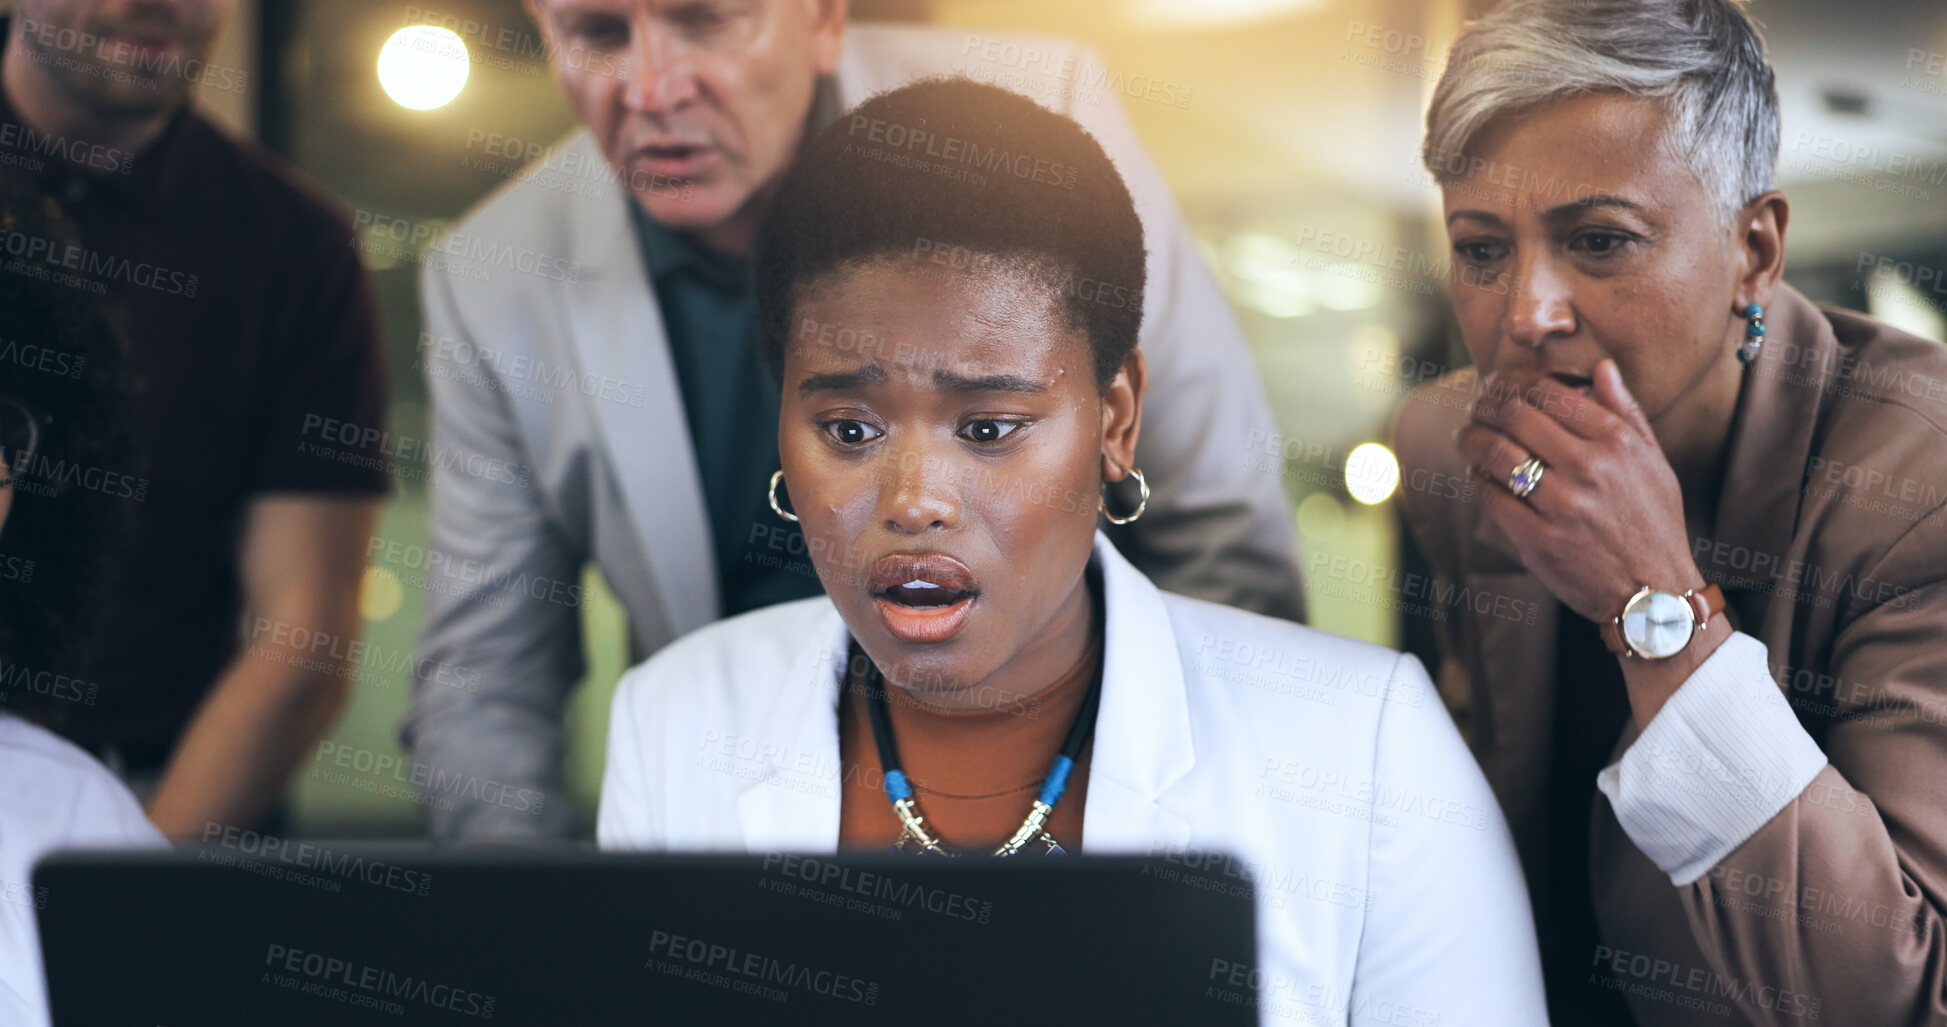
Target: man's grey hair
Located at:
point(1703, 58)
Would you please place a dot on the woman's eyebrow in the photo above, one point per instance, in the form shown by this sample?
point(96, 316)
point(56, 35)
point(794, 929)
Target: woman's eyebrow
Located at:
point(947, 381)
point(841, 381)
point(1574, 207)
point(1477, 215)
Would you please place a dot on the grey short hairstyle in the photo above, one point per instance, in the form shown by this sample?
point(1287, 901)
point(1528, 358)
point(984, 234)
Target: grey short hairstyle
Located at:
point(1704, 58)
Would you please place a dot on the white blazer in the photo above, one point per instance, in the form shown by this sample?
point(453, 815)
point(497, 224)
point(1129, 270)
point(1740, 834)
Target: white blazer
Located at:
point(56, 797)
point(1388, 891)
point(561, 441)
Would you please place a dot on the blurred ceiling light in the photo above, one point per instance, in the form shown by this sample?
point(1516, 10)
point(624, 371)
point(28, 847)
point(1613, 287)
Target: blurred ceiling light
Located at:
point(1213, 13)
point(1348, 287)
point(1259, 256)
point(1274, 277)
point(1267, 275)
point(1371, 473)
point(423, 67)
point(1278, 300)
point(379, 594)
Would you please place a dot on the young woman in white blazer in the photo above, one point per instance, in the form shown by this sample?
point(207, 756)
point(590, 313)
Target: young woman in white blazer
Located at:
point(950, 291)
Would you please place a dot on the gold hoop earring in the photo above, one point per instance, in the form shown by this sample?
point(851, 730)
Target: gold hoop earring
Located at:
point(1141, 505)
point(777, 476)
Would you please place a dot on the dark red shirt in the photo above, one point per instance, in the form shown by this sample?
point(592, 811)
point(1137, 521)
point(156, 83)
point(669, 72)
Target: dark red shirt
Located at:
point(253, 343)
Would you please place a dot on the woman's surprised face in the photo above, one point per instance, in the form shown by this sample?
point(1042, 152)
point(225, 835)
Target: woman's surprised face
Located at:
point(1576, 237)
point(944, 442)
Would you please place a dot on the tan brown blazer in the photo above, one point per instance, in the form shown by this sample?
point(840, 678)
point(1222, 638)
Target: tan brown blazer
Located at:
point(1830, 543)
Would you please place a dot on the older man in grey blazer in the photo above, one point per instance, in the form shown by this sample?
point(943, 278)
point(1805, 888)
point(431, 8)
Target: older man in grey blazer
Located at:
point(618, 386)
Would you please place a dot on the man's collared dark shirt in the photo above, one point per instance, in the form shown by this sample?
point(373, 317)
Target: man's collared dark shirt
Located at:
point(257, 367)
point(709, 310)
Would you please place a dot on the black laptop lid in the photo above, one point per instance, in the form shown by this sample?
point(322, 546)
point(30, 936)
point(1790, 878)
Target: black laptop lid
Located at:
point(351, 936)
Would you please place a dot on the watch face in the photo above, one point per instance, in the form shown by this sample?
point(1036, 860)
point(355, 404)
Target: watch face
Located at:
point(1657, 624)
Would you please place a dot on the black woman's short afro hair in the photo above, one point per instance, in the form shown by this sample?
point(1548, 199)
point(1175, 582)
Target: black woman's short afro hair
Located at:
point(954, 172)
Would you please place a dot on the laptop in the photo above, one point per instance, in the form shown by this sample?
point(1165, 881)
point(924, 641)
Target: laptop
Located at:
point(351, 935)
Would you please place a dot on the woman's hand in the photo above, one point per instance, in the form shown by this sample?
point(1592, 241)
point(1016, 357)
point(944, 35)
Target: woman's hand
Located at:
point(1607, 516)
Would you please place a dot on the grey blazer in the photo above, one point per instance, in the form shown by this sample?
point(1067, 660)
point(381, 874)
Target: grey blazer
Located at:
point(560, 440)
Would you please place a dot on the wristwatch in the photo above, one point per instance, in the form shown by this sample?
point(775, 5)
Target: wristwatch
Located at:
point(1657, 625)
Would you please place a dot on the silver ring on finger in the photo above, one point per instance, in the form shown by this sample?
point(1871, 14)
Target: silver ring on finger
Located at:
point(1526, 475)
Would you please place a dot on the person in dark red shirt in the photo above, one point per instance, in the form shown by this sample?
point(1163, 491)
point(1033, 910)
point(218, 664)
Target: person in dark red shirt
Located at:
point(256, 358)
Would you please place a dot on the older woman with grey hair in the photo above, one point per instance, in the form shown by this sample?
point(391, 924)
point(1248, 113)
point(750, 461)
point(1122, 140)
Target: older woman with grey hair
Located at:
point(1722, 742)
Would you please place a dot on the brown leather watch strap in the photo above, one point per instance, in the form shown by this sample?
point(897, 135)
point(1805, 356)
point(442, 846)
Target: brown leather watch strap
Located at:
point(1704, 603)
point(1612, 637)
point(1708, 603)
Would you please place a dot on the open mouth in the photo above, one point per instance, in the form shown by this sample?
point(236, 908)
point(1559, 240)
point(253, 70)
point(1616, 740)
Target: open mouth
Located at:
point(675, 159)
point(922, 597)
point(154, 29)
point(138, 43)
point(925, 595)
point(672, 151)
point(1579, 382)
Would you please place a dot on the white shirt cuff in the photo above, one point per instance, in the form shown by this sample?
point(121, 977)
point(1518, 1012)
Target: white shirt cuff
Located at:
point(1721, 758)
